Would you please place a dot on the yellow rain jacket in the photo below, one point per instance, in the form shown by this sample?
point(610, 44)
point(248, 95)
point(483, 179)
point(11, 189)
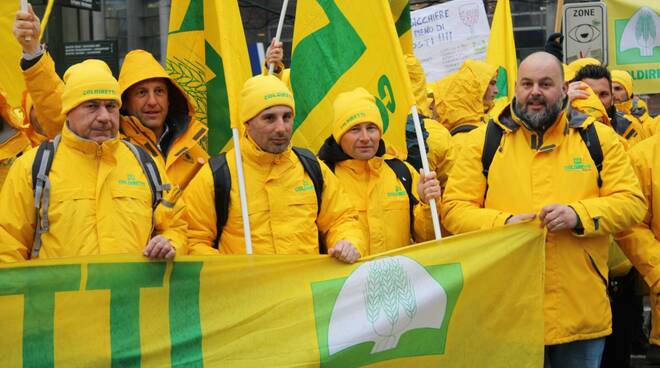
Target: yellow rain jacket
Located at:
point(45, 90)
point(460, 99)
point(528, 173)
point(626, 126)
point(100, 203)
point(282, 207)
point(441, 150)
point(187, 153)
point(380, 198)
point(639, 110)
point(13, 139)
point(642, 241)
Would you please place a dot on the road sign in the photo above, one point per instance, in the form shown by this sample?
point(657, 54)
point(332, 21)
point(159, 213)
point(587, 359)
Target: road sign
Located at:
point(106, 50)
point(585, 30)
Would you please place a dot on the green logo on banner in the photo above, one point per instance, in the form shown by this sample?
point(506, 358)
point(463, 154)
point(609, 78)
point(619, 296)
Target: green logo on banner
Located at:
point(502, 83)
point(638, 38)
point(386, 309)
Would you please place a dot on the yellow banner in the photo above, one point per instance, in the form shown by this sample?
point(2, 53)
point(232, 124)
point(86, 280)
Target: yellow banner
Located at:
point(474, 300)
point(207, 56)
point(634, 41)
point(339, 45)
point(403, 24)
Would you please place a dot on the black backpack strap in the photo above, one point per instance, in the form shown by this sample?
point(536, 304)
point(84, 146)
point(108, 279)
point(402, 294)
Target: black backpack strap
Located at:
point(313, 169)
point(492, 141)
point(43, 161)
point(403, 174)
point(221, 188)
point(590, 138)
point(150, 170)
point(463, 129)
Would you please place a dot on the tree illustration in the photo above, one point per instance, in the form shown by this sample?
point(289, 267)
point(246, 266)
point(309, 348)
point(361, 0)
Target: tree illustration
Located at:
point(190, 76)
point(390, 302)
point(645, 33)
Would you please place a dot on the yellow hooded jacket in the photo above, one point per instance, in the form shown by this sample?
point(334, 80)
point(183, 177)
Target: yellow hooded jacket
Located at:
point(441, 150)
point(100, 203)
point(528, 173)
point(187, 154)
point(13, 139)
point(282, 207)
point(460, 99)
point(45, 90)
point(639, 110)
point(642, 242)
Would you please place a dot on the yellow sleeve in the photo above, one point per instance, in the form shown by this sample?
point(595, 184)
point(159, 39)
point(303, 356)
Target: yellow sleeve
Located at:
point(639, 243)
point(441, 150)
point(423, 221)
point(169, 221)
point(17, 213)
point(621, 202)
point(462, 205)
point(200, 214)
point(338, 219)
point(45, 88)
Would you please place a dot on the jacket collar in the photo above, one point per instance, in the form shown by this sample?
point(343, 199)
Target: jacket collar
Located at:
point(88, 146)
point(331, 152)
point(252, 152)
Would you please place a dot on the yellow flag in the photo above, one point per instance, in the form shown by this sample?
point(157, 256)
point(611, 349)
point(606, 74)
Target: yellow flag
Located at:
point(11, 75)
point(402, 23)
point(474, 300)
point(634, 41)
point(339, 45)
point(502, 49)
point(207, 56)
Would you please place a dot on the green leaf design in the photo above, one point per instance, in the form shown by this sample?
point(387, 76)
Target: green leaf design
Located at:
point(191, 77)
point(645, 28)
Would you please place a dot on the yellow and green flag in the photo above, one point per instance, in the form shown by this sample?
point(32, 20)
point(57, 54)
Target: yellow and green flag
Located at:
point(403, 24)
point(207, 56)
point(634, 41)
point(339, 45)
point(474, 300)
point(502, 49)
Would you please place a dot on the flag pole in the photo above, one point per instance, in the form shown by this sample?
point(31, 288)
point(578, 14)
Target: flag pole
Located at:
point(285, 4)
point(242, 191)
point(425, 165)
point(24, 8)
point(558, 15)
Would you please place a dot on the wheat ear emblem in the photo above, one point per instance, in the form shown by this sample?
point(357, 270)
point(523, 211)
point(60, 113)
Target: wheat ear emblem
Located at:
point(191, 77)
point(390, 302)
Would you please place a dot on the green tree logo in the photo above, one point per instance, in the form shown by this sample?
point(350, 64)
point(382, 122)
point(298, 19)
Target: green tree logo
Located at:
point(645, 32)
point(639, 32)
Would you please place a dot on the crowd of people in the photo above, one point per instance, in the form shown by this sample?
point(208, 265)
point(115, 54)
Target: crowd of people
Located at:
point(100, 165)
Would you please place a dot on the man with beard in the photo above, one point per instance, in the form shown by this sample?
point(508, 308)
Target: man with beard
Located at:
point(532, 161)
point(293, 208)
point(596, 79)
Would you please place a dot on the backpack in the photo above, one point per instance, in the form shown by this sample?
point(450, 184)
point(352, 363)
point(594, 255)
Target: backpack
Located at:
point(42, 164)
point(494, 134)
point(222, 187)
point(405, 178)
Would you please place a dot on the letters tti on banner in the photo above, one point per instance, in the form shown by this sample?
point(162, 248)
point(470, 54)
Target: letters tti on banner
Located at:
point(444, 35)
point(585, 29)
point(634, 41)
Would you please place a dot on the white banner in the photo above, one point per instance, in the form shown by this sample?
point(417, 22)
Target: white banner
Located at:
point(444, 35)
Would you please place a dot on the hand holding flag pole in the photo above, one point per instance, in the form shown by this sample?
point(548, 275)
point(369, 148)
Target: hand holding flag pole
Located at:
point(425, 166)
point(278, 34)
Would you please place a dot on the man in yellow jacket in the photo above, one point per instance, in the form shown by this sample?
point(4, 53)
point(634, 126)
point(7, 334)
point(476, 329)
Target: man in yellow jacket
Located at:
point(599, 80)
point(283, 202)
point(532, 161)
point(642, 241)
point(96, 198)
point(156, 113)
point(385, 190)
point(626, 102)
point(464, 98)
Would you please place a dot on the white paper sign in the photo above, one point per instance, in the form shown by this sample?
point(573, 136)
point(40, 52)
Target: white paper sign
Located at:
point(444, 35)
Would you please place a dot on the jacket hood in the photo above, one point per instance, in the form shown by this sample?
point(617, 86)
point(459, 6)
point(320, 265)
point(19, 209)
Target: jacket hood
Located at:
point(592, 107)
point(459, 99)
point(140, 65)
point(6, 112)
point(331, 152)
